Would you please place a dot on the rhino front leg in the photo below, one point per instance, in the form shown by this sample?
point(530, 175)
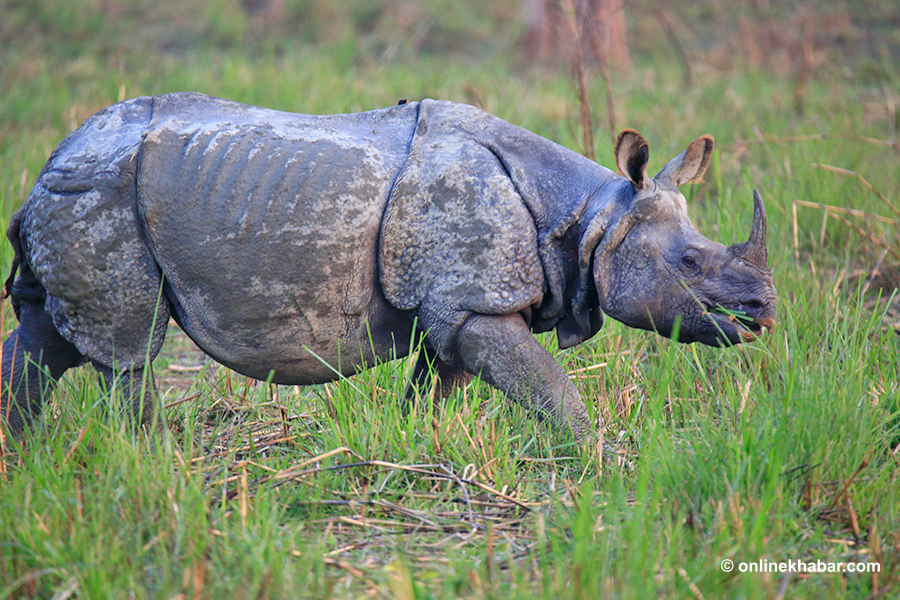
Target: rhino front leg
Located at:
point(449, 378)
point(137, 389)
point(503, 351)
point(35, 356)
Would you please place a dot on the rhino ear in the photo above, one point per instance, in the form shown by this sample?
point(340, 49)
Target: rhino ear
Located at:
point(690, 165)
point(632, 154)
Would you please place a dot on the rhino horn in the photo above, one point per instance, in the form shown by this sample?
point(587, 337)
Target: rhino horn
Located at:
point(754, 249)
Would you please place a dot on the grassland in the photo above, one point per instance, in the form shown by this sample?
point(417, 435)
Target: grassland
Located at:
point(785, 449)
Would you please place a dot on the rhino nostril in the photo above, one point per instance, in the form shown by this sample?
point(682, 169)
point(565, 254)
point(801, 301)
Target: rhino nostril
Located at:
point(751, 306)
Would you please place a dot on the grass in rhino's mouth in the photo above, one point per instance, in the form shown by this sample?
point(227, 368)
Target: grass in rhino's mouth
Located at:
point(738, 316)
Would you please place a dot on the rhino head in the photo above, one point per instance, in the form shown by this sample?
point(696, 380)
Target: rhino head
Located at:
point(652, 269)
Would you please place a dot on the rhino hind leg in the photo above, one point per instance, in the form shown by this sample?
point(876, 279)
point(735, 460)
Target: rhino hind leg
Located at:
point(447, 379)
point(35, 356)
point(135, 387)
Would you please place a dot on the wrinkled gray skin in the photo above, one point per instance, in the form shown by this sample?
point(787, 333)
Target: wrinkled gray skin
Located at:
point(295, 246)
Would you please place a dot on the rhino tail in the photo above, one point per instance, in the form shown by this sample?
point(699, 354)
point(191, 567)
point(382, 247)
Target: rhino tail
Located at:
point(13, 235)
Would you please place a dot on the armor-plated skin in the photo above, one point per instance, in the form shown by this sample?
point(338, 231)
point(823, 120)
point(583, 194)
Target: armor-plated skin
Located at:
point(293, 247)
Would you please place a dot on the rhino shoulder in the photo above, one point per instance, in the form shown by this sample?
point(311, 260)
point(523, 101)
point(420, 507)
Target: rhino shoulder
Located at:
point(456, 231)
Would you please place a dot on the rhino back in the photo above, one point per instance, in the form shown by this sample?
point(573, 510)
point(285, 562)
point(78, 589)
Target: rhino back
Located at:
point(265, 225)
point(81, 236)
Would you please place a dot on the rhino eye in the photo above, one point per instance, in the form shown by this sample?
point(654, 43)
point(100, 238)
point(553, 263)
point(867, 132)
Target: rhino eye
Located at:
point(690, 263)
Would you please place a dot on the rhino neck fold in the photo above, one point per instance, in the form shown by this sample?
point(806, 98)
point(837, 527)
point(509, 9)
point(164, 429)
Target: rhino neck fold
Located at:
point(573, 201)
point(603, 211)
point(557, 186)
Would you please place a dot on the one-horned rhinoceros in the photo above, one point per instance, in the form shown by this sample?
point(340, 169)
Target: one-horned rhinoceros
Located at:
point(293, 247)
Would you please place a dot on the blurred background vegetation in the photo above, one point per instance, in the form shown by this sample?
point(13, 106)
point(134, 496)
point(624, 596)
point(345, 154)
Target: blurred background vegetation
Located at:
point(723, 33)
point(801, 40)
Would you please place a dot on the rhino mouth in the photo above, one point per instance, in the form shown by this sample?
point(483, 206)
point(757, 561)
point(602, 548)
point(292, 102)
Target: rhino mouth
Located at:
point(740, 325)
point(756, 328)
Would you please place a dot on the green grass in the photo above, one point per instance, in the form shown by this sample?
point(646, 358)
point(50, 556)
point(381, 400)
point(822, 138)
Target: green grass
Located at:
point(783, 449)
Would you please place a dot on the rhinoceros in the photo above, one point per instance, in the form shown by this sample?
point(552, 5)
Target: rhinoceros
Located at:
point(301, 248)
